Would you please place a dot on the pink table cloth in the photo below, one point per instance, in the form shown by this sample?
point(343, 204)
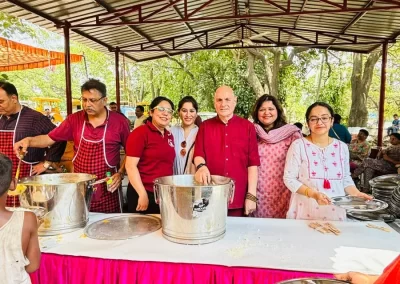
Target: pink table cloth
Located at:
point(65, 269)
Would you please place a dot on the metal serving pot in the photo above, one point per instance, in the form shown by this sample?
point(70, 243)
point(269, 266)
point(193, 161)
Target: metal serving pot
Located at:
point(193, 213)
point(64, 200)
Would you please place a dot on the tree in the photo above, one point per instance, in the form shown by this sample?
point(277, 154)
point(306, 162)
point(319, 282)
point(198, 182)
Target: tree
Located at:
point(268, 81)
point(361, 79)
point(10, 26)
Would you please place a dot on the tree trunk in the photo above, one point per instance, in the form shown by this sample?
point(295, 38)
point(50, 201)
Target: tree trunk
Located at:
point(276, 66)
point(271, 71)
point(153, 91)
point(360, 85)
point(251, 76)
point(141, 92)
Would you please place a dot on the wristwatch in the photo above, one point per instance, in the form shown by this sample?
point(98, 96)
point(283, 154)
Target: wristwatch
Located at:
point(200, 165)
point(46, 165)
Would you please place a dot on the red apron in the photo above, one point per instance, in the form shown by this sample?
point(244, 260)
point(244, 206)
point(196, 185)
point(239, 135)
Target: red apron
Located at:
point(91, 158)
point(7, 140)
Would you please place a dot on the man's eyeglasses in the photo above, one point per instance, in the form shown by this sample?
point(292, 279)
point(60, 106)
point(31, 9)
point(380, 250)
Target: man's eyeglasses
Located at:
point(164, 109)
point(183, 150)
point(85, 100)
point(325, 119)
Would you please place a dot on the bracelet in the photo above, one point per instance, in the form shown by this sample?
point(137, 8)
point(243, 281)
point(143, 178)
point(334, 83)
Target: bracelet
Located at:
point(251, 197)
point(306, 192)
point(200, 165)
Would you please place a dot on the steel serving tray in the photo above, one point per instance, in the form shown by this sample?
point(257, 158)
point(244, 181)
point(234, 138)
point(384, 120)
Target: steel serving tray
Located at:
point(352, 203)
point(372, 216)
point(123, 227)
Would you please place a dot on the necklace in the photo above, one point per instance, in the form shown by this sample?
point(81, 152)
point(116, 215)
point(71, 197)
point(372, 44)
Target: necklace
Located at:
point(319, 145)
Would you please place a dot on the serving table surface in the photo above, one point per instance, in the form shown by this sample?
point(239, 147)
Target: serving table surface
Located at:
point(253, 248)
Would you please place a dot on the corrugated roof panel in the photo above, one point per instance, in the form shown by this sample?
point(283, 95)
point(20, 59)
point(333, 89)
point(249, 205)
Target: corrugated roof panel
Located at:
point(59, 10)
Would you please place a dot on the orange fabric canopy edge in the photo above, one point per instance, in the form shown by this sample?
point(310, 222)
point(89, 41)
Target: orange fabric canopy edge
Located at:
point(16, 56)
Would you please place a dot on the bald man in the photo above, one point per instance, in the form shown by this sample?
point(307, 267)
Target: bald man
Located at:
point(226, 145)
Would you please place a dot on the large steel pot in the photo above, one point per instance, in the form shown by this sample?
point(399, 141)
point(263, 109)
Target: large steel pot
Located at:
point(193, 213)
point(64, 200)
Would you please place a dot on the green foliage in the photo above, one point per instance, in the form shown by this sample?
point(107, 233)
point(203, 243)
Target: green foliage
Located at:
point(197, 74)
point(3, 77)
point(200, 73)
point(10, 26)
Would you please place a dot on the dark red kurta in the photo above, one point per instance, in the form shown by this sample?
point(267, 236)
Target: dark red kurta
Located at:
point(229, 149)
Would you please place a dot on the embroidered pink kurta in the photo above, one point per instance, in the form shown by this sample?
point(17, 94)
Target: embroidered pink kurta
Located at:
point(308, 164)
point(273, 196)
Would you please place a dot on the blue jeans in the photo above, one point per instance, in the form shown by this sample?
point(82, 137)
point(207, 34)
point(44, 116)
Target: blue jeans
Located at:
point(392, 129)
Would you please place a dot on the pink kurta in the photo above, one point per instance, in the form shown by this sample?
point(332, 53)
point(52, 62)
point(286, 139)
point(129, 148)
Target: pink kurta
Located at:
point(273, 196)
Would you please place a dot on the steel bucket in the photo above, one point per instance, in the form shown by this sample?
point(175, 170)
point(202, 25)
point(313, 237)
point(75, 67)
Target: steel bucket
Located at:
point(64, 200)
point(192, 213)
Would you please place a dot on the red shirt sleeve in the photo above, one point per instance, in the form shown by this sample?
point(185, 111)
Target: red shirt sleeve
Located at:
point(63, 132)
point(125, 132)
point(137, 142)
point(391, 274)
point(199, 144)
point(254, 157)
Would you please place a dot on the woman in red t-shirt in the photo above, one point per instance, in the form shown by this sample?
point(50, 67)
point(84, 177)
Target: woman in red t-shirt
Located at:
point(391, 275)
point(150, 154)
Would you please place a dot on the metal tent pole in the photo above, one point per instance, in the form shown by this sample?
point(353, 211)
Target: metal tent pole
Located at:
point(381, 119)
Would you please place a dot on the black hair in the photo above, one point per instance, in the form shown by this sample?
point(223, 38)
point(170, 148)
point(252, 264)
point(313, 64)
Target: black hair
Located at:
point(280, 120)
point(365, 132)
point(9, 88)
point(113, 104)
point(337, 118)
point(395, 114)
point(188, 99)
point(94, 84)
point(156, 102)
point(5, 173)
point(322, 104)
point(299, 125)
point(141, 108)
point(397, 135)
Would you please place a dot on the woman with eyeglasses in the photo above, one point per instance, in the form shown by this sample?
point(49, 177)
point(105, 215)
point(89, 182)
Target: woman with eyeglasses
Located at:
point(184, 136)
point(317, 168)
point(150, 154)
point(274, 137)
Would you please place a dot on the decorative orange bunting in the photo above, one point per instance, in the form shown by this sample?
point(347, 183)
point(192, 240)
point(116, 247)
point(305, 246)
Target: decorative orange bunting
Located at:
point(16, 56)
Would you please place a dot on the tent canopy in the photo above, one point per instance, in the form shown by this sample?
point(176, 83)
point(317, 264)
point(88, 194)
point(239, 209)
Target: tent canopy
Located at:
point(16, 56)
point(150, 29)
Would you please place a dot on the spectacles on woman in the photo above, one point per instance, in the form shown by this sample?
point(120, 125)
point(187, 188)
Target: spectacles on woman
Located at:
point(164, 109)
point(315, 120)
point(183, 150)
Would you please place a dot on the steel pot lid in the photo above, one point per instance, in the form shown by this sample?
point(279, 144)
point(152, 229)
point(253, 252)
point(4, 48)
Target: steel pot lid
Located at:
point(56, 179)
point(123, 227)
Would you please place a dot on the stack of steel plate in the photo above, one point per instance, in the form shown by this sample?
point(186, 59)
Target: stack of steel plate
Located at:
point(384, 186)
point(394, 203)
